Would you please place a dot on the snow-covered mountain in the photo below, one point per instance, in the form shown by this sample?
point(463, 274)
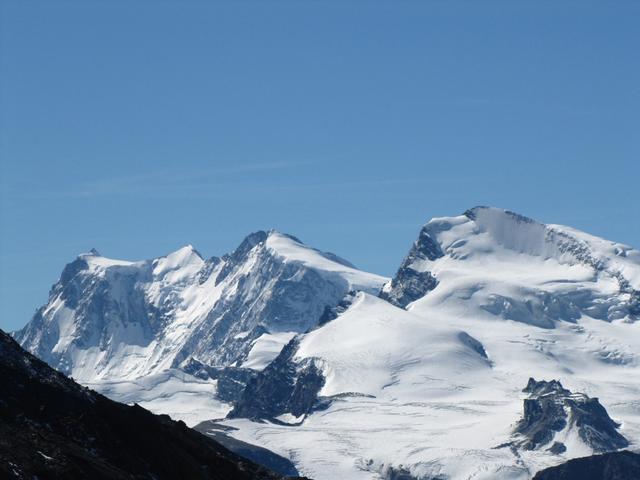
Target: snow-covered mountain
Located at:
point(519, 269)
point(432, 380)
point(111, 320)
point(428, 378)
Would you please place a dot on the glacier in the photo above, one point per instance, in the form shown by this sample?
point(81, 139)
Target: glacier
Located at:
point(420, 375)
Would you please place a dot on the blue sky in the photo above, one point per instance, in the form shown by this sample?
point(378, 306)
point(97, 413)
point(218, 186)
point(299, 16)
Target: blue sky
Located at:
point(138, 127)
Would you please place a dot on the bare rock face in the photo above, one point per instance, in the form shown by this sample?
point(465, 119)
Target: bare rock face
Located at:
point(408, 286)
point(623, 465)
point(231, 381)
point(551, 409)
point(409, 283)
point(285, 386)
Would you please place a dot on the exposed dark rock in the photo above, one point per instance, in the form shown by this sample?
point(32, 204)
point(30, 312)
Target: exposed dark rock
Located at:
point(551, 408)
point(426, 247)
point(544, 387)
point(634, 304)
point(557, 448)
point(231, 380)
point(609, 466)
point(473, 343)
point(72, 269)
point(472, 214)
point(284, 386)
point(51, 427)
point(240, 253)
point(331, 313)
point(397, 473)
point(407, 286)
point(210, 266)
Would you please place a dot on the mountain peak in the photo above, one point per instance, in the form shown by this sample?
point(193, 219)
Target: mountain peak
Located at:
point(91, 253)
point(187, 259)
point(292, 249)
point(495, 213)
point(276, 233)
point(260, 236)
point(186, 251)
point(519, 268)
point(471, 212)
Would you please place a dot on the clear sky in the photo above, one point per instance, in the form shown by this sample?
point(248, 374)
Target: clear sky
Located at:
point(138, 127)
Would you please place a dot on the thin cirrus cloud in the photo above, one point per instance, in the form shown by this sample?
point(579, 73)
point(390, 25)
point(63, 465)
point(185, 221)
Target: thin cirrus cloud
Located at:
point(203, 183)
point(170, 182)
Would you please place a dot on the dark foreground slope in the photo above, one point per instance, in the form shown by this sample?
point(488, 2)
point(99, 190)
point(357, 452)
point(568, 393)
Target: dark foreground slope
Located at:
point(51, 427)
point(256, 454)
point(609, 466)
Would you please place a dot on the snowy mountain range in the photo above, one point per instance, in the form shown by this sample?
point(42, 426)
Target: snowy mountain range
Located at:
point(111, 319)
point(352, 375)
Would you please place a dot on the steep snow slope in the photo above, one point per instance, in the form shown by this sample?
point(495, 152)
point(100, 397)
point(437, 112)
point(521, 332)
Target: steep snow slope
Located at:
point(407, 394)
point(435, 389)
point(110, 321)
point(522, 270)
point(376, 349)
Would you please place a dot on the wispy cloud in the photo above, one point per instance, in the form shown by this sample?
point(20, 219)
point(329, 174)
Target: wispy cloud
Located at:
point(275, 187)
point(168, 181)
point(171, 180)
point(347, 184)
point(220, 182)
